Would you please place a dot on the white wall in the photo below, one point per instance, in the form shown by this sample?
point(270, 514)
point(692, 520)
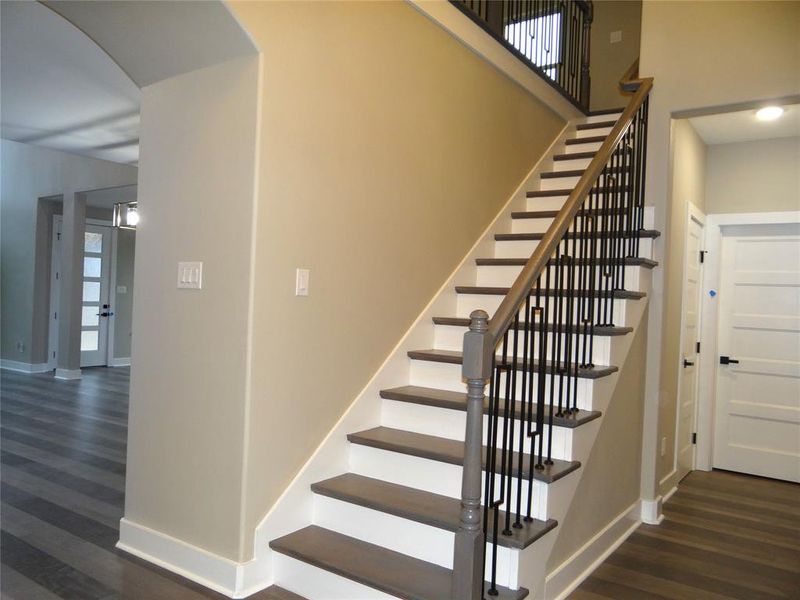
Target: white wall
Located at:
point(759, 176)
point(29, 173)
point(186, 430)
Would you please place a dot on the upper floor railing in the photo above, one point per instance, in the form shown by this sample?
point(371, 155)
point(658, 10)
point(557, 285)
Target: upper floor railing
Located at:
point(551, 36)
point(538, 345)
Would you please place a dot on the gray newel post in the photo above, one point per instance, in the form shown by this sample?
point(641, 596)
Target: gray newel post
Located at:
point(470, 544)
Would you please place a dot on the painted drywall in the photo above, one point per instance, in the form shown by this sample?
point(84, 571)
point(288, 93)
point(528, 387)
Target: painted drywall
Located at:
point(610, 60)
point(380, 167)
point(610, 480)
point(728, 53)
point(29, 173)
point(186, 429)
point(123, 308)
point(759, 176)
point(688, 185)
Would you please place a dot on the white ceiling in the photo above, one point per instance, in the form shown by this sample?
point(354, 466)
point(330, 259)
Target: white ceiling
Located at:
point(108, 197)
point(58, 89)
point(742, 126)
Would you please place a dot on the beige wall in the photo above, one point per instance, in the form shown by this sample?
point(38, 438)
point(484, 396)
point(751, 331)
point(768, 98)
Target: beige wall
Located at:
point(388, 147)
point(186, 425)
point(759, 176)
point(610, 480)
point(688, 186)
point(728, 53)
point(609, 61)
point(29, 173)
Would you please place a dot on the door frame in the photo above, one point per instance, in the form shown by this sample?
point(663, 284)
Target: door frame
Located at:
point(55, 287)
point(693, 213)
point(707, 374)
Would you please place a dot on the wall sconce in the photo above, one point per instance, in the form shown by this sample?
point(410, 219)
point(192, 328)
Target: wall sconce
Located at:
point(126, 215)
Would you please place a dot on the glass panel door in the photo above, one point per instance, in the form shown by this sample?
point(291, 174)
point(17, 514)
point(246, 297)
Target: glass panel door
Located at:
point(95, 310)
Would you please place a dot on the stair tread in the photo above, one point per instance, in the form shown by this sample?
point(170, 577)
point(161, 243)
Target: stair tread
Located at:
point(599, 330)
point(586, 140)
point(420, 506)
point(458, 401)
point(487, 290)
point(577, 172)
point(521, 262)
point(374, 566)
point(562, 192)
point(453, 357)
point(451, 451)
point(574, 155)
point(275, 592)
point(596, 125)
point(606, 111)
point(552, 214)
point(642, 233)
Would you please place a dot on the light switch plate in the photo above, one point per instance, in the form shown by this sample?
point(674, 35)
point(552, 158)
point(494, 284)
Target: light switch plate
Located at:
point(190, 275)
point(616, 37)
point(301, 282)
point(122, 289)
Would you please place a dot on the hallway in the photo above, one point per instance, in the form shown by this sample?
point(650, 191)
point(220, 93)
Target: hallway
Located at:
point(63, 490)
point(724, 535)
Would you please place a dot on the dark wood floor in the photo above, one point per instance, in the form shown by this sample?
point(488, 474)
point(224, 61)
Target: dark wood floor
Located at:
point(63, 482)
point(724, 535)
point(63, 490)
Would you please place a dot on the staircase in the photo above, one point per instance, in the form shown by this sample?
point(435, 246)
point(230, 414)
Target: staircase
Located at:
point(387, 527)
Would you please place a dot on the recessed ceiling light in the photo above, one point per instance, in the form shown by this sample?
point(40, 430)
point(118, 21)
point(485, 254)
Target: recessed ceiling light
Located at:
point(769, 113)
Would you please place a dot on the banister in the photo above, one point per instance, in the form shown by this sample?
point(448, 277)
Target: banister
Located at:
point(509, 307)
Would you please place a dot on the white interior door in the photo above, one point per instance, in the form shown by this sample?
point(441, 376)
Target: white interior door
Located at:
point(757, 421)
point(95, 309)
point(690, 337)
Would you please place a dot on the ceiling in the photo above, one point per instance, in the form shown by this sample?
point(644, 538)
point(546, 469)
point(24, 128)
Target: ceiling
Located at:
point(742, 126)
point(108, 197)
point(58, 89)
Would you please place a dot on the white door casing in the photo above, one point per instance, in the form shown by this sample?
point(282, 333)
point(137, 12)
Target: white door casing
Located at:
point(95, 307)
point(690, 338)
point(757, 420)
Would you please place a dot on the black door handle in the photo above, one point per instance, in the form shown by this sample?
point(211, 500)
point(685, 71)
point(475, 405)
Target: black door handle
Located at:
point(687, 363)
point(727, 360)
point(105, 314)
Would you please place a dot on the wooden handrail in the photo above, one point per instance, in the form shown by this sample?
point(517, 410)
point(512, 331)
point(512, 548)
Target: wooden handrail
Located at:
point(509, 307)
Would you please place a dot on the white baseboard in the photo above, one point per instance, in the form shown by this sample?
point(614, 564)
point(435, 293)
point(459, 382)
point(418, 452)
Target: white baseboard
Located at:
point(68, 374)
point(563, 580)
point(651, 511)
point(669, 495)
point(120, 362)
point(209, 570)
point(23, 367)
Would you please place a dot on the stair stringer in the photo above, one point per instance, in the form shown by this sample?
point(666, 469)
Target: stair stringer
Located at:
point(294, 509)
point(533, 561)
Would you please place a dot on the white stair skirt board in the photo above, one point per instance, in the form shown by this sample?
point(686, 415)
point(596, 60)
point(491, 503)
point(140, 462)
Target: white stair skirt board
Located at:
point(569, 574)
point(120, 362)
point(210, 570)
point(23, 367)
point(68, 374)
point(294, 508)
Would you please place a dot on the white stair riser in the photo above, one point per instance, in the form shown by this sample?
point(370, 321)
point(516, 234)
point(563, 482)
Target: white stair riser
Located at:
point(505, 276)
point(581, 147)
point(446, 423)
point(466, 303)
point(583, 133)
point(557, 202)
point(450, 337)
point(424, 542)
point(571, 164)
point(602, 118)
point(525, 248)
point(445, 376)
point(432, 476)
point(318, 584)
point(558, 183)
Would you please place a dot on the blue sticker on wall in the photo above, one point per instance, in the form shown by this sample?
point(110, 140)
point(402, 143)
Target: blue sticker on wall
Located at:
point(712, 293)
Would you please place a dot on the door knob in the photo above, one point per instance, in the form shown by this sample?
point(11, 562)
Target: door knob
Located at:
point(687, 363)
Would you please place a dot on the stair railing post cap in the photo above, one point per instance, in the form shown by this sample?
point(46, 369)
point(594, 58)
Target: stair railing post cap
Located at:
point(479, 320)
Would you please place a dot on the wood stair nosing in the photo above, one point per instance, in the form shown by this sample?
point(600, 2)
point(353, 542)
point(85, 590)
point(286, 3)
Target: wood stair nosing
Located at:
point(371, 565)
point(552, 214)
point(419, 506)
point(447, 399)
point(484, 290)
point(566, 192)
point(575, 155)
point(596, 125)
point(599, 330)
point(538, 236)
point(632, 261)
point(578, 172)
point(450, 451)
point(586, 140)
point(453, 357)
